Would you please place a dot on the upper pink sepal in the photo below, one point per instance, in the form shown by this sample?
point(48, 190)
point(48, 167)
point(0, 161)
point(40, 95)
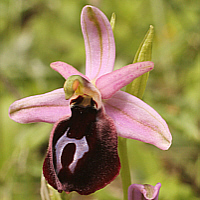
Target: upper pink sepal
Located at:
point(99, 42)
point(110, 83)
point(65, 69)
point(48, 107)
point(135, 119)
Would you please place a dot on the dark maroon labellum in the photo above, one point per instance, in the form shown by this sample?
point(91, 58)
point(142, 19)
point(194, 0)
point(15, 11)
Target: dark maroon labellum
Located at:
point(82, 154)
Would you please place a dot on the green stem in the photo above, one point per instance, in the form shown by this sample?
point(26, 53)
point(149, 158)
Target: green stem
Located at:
point(125, 170)
point(135, 88)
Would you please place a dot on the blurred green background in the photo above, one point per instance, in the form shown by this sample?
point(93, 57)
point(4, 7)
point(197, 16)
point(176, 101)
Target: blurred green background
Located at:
point(35, 33)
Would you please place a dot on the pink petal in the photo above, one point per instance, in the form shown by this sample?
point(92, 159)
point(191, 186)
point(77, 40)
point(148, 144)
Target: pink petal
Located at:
point(135, 119)
point(110, 83)
point(65, 69)
point(143, 192)
point(48, 107)
point(99, 42)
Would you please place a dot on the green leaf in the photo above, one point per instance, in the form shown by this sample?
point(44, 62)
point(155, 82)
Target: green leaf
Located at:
point(137, 87)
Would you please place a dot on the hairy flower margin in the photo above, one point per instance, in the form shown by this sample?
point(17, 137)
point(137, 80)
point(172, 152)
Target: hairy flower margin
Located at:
point(143, 192)
point(89, 113)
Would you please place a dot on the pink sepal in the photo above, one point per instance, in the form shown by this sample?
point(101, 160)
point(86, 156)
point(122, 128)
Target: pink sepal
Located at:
point(99, 42)
point(135, 119)
point(48, 107)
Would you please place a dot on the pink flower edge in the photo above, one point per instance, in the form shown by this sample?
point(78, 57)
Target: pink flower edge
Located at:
point(143, 192)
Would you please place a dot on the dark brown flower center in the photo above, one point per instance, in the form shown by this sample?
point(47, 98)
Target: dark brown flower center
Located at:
point(84, 149)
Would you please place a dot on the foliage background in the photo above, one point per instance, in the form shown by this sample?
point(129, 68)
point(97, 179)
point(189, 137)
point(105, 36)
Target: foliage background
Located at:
point(35, 33)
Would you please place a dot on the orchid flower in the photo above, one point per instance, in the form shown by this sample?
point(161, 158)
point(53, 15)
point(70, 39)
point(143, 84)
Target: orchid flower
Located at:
point(90, 112)
point(143, 192)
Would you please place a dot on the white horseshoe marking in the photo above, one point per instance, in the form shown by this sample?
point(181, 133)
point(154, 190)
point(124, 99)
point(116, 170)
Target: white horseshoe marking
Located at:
point(81, 148)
